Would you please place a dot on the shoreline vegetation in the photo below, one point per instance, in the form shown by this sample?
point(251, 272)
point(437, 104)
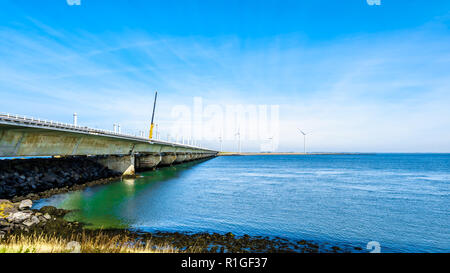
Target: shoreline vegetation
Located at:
point(83, 242)
point(25, 230)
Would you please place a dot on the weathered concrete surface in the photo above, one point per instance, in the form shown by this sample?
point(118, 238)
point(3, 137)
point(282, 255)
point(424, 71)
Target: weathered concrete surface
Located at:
point(52, 143)
point(189, 157)
point(168, 159)
point(20, 140)
point(148, 161)
point(122, 164)
point(181, 157)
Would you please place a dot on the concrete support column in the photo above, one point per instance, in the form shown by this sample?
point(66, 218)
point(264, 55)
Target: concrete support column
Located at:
point(123, 164)
point(181, 157)
point(188, 157)
point(148, 161)
point(168, 159)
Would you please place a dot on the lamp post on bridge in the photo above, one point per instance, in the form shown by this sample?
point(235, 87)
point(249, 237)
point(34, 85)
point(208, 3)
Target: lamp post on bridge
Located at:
point(75, 119)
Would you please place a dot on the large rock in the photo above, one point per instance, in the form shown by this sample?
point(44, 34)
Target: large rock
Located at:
point(19, 217)
point(34, 220)
point(25, 204)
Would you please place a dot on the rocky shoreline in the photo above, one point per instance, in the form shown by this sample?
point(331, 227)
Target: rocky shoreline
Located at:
point(40, 178)
point(19, 216)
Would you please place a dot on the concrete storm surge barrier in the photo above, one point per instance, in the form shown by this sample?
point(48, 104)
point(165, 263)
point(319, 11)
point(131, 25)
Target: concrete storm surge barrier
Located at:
point(30, 137)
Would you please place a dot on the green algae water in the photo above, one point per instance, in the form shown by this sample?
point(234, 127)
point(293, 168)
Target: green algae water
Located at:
point(400, 201)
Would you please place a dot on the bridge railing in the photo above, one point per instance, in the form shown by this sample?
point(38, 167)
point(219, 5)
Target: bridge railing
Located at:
point(21, 119)
point(55, 124)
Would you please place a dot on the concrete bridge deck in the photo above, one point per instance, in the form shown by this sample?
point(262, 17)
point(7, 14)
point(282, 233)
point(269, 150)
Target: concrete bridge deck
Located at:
point(25, 136)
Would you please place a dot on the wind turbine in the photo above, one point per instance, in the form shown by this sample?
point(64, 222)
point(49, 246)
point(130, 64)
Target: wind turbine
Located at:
point(220, 140)
point(271, 141)
point(239, 134)
point(304, 140)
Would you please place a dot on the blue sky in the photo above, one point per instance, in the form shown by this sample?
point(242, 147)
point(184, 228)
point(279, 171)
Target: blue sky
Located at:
point(360, 78)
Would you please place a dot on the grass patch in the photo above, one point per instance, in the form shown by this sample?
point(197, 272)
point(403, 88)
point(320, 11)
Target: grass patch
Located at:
point(80, 243)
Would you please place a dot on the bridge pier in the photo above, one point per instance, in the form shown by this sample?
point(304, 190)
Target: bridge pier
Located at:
point(181, 157)
point(168, 159)
point(129, 164)
point(148, 161)
point(188, 157)
point(124, 164)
